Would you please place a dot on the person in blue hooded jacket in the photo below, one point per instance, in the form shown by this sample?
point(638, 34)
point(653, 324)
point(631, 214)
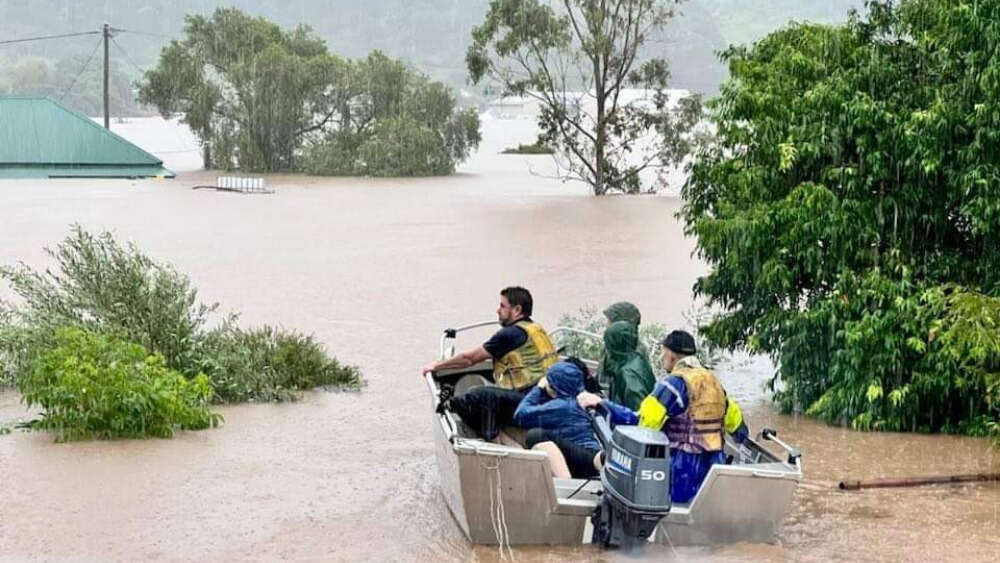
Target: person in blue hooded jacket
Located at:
point(560, 426)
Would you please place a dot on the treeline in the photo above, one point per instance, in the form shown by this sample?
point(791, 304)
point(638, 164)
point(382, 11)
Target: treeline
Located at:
point(72, 82)
point(430, 35)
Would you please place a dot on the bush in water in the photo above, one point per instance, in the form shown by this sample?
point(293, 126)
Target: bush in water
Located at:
point(103, 286)
point(93, 385)
point(587, 318)
point(115, 290)
point(538, 147)
point(848, 207)
point(268, 364)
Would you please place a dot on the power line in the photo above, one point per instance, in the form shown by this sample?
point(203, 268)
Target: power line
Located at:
point(26, 39)
point(144, 33)
point(85, 65)
point(128, 59)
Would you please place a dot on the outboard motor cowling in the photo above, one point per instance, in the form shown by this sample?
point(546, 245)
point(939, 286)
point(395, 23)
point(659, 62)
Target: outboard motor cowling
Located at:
point(636, 481)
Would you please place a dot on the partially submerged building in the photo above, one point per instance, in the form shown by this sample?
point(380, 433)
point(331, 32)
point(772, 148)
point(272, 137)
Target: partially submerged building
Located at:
point(39, 138)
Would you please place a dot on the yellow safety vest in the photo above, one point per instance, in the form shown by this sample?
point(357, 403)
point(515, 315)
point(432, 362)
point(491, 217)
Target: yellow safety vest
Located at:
point(699, 429)
point(524, 366)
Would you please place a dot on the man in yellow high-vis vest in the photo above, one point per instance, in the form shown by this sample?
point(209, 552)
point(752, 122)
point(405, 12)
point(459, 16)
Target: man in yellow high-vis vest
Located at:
point(690, 406)
point(521, 352)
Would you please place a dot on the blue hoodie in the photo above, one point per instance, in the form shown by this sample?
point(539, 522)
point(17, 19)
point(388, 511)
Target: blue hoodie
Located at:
point(562, 416)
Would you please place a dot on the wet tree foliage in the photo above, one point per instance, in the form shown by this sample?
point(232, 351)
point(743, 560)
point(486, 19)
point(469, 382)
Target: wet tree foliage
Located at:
point(850, 212)
point(392, 121)
point(103, 301)
point(576, 58)
point(93, 385)
point(263, 98)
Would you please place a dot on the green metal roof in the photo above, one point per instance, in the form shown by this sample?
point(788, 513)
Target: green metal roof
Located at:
point(40, 138)
point(86, 171)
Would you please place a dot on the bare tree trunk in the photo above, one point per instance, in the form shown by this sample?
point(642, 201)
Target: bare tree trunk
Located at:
point(599, 188)
point(599, 145)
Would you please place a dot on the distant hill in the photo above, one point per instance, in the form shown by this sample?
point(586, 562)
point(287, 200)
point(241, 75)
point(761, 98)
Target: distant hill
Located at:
point(431, 34)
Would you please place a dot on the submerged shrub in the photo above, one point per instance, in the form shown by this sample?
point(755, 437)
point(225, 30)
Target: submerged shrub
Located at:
point(116, 291)
point(539, 147)
point(105, 287)
point(269, 364)
point(94, 385)
point(586, 318)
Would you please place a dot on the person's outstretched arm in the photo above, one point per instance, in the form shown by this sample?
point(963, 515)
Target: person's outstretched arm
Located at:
point(458, 361)
point(620, 414)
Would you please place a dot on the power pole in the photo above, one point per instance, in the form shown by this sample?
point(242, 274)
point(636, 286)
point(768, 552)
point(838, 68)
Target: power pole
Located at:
point(106, 32)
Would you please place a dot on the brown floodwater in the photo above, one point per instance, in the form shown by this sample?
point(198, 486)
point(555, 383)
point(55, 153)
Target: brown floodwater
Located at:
point(375, 269)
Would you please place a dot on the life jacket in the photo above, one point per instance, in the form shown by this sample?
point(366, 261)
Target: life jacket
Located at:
point(524, 366)
point(700, 428)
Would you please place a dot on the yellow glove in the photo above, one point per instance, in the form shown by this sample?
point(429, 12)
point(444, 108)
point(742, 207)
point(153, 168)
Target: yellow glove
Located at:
point(652, 413)
point(734, 416)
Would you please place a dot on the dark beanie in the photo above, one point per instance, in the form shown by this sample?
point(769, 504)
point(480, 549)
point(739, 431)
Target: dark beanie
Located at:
point(679, 342)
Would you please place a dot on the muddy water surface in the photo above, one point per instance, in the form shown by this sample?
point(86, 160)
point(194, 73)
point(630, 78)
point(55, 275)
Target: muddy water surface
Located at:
point(376, 268)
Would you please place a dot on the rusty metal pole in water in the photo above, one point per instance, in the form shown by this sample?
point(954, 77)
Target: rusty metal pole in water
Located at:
point(849, 485)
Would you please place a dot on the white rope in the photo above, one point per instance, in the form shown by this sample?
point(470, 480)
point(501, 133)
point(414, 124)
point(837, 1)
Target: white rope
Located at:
point(663, 528)
point(503, 516)
point(493, 518)
point(498, 516)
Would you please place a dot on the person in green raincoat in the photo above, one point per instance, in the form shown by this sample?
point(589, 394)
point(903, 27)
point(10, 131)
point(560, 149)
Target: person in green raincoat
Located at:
point(628, 373)
point(621, 311)
point(625, 311)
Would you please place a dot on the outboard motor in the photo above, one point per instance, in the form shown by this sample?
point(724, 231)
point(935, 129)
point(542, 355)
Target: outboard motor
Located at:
point(636, 480)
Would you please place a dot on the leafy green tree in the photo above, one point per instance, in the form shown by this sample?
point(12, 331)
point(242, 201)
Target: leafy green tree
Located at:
point(576, 60)
point(261, 98)
point(250, 90)
point(849, 207)
point(393, 121)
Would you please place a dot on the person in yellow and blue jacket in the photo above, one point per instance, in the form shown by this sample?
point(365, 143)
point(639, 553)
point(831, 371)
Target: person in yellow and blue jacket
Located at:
point(692, 408)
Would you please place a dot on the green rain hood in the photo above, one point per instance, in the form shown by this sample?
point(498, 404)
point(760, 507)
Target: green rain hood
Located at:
point(630, 377)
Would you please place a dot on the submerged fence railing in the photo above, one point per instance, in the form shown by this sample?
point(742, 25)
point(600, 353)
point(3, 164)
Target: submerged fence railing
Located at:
point(240, 184)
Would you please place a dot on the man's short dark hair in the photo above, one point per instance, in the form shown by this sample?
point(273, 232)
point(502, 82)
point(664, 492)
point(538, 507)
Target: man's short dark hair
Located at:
point(517, 295)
